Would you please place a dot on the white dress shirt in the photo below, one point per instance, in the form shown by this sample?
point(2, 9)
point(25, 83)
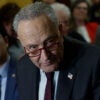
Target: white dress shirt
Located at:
point(84, 33)
point(42, 84)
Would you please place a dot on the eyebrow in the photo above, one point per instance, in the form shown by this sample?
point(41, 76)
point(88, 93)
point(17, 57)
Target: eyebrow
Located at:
point(45, 41)
point(51, 37)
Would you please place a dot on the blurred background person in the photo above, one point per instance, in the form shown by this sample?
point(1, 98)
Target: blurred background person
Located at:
point(95, 11)
point(7, 14)
point(8, 89)
point(63, 14)
point(80, 23)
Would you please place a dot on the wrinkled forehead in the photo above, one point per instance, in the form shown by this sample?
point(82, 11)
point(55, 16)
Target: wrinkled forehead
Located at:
point(42, 22)
point(35, 29)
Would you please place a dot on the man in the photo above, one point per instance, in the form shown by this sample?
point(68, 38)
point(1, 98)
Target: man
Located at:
point(76, 66)
point(63, 14)
point(8, 90)
point(95, 11)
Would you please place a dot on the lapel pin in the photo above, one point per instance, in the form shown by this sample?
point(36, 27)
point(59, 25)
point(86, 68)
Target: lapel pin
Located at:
point(70, 76)
point(13, 75)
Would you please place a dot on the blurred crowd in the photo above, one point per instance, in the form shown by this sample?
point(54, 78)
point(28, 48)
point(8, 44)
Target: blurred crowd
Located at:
point(7, 14)
point(78, 19)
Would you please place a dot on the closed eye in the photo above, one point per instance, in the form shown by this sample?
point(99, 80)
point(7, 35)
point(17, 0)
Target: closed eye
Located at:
point(31, 47)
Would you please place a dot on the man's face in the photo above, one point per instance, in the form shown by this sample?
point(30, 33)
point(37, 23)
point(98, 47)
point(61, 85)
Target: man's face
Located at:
point(63, 21)
point(42, 42)
point(3, 50)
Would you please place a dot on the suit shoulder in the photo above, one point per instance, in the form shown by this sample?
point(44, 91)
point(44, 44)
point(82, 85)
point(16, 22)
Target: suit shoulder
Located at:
point(24, 62)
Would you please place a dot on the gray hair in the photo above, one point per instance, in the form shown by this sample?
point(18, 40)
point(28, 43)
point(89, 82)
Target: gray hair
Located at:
point(61, 7)
point(34, 10)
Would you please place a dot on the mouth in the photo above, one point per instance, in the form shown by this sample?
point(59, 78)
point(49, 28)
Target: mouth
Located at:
point(47, 64)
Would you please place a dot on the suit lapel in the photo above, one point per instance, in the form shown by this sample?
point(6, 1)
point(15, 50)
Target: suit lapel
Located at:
point(11, 82)
point(68, 70)
point(35, 84)
point(29, 81)
point(65, 84)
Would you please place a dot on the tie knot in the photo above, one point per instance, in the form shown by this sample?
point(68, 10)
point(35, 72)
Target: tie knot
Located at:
point(49, 75)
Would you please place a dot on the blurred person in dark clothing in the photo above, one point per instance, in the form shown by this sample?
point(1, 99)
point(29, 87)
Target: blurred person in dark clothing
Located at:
point(63, 14)
point(8, 85)
point(80, 23)
point(95, 11)
point(7, 14)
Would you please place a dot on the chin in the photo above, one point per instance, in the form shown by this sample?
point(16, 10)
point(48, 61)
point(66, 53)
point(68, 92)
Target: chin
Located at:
point(50, 68)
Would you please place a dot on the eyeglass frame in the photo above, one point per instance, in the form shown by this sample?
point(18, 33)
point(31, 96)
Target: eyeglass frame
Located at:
point(40, 49)
point(81, 8)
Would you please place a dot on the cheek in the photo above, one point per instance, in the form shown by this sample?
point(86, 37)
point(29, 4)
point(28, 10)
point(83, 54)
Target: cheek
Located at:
point(35, 60)
point(85, 13)
point(58, 54)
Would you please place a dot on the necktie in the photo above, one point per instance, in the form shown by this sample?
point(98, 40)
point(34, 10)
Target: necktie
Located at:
point(49, 87)
point(0, 86)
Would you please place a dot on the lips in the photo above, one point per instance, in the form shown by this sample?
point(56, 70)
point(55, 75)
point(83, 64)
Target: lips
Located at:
point(48, 63)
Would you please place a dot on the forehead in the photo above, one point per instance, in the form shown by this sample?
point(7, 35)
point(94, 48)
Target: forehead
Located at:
point(62, 15)
point(82, 4)
point(36, 30)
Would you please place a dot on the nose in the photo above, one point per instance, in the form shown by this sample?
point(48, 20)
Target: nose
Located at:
point(44, 54)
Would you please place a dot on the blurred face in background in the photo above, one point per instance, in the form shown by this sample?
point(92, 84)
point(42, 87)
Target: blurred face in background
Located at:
point(80, 12)
point(10, 31)
point(3, 50)
point(44, 44)
point(63, 21)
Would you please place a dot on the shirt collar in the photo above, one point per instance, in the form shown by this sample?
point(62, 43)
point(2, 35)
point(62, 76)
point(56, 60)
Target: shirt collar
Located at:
point(4, 68)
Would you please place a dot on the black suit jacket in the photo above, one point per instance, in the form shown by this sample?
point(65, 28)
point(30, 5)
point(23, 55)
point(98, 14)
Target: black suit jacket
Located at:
point(74, 34)
point(79, 77)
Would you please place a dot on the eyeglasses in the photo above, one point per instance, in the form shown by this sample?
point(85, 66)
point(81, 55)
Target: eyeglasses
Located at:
point(81, 8)
point(36, 52)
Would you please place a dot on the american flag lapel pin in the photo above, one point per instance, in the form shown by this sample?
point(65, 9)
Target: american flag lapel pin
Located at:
point(13, 75)
point(70, 76)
